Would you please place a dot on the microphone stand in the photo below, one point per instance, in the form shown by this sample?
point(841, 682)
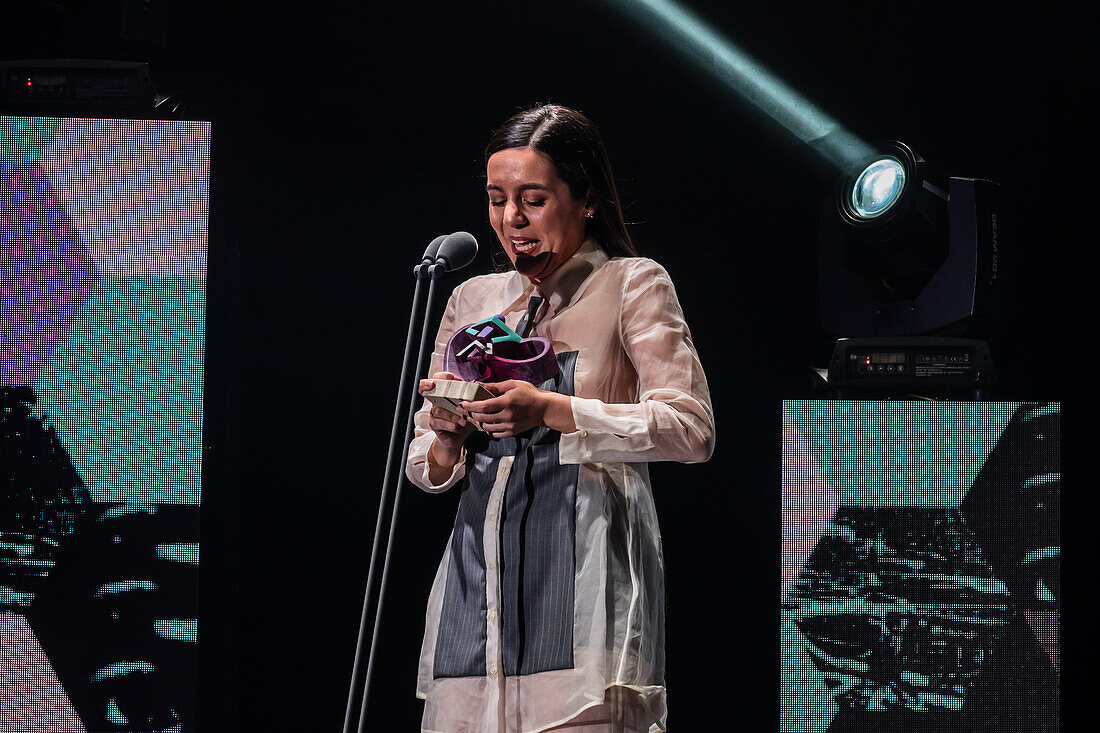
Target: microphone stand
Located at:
point(432, 273)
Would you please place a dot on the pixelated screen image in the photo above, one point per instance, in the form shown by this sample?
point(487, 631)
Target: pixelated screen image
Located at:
point(920, 572)
point(103, 242)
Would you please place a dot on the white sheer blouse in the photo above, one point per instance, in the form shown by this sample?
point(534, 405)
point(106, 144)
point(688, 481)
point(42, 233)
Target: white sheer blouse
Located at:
point(640, 396)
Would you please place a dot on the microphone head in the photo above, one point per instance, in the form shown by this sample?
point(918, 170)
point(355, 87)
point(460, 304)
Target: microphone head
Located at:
point(433, 248)
point(456, 251)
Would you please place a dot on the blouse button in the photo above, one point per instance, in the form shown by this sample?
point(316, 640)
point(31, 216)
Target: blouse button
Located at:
point(493, 669)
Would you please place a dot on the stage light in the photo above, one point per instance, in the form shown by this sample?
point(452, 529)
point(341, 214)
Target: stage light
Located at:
point(885, 185)
point(877, 188)
point(888, 220)
point(909, 273)
point(903, 252)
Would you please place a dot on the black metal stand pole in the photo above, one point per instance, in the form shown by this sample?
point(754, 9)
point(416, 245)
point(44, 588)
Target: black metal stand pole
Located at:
point(434, 273)
point(402, 401)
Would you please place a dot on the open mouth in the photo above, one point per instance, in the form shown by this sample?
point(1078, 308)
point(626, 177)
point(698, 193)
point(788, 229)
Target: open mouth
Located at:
point(524, 246)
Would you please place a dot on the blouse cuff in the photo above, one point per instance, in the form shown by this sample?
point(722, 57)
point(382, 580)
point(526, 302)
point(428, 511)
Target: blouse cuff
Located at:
point(420, 466)
point(604, 432)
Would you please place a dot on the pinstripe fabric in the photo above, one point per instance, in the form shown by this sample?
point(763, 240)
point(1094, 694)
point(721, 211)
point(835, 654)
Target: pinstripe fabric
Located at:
point(536, 556)
point(460, 651)
point(537, 549)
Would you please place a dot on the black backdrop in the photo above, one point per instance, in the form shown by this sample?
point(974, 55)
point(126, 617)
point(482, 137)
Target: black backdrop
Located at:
point(345, 138)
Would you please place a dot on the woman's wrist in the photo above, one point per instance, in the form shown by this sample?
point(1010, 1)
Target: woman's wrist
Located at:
point(443, 455)
point(442, 461)
point(558, 413)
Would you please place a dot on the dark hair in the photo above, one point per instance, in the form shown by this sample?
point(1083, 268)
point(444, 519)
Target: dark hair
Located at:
point(574, 145)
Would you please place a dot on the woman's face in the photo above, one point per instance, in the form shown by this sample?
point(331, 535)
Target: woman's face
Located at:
point(537, 220)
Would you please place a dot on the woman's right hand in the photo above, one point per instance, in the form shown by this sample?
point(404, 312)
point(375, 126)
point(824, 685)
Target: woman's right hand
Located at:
point(450, 429)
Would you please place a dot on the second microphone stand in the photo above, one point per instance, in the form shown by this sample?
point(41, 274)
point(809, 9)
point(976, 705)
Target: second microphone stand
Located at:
point(454, 251)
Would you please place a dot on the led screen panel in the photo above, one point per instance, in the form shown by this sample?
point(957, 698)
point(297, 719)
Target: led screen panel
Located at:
point(103, 242)
point(920, 574)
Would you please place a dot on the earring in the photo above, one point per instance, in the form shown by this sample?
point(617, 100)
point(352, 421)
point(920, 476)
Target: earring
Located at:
point(588, 215)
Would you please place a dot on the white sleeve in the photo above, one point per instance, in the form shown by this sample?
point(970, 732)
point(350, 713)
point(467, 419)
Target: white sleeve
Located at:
point(673, 419)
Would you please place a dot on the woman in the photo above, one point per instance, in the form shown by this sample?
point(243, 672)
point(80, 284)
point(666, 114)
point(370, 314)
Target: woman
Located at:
point(547, 611)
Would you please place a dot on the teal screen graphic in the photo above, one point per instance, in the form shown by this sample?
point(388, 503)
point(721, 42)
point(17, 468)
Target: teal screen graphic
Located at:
point(103, 244)
point(920, 566)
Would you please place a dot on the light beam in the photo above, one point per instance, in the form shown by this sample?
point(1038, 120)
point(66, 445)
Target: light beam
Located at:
point(707, 49)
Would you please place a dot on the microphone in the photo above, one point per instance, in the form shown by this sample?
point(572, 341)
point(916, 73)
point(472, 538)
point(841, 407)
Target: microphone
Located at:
point(429, 256)
point(433, 248)
point(456, 251)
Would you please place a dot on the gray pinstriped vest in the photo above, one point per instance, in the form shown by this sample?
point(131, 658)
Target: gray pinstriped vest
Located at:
point(537, 529)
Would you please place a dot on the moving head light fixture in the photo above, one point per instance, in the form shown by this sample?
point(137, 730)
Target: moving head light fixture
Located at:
point(904, 254)
point(909, 273)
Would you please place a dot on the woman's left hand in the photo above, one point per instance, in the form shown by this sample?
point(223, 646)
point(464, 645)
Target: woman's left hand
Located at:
point(518, 407)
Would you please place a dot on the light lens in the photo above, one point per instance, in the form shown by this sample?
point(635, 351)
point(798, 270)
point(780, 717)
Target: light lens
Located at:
point(878, 187)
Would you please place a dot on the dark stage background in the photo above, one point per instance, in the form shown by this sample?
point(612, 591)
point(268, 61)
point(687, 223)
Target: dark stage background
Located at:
point(345, 138)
